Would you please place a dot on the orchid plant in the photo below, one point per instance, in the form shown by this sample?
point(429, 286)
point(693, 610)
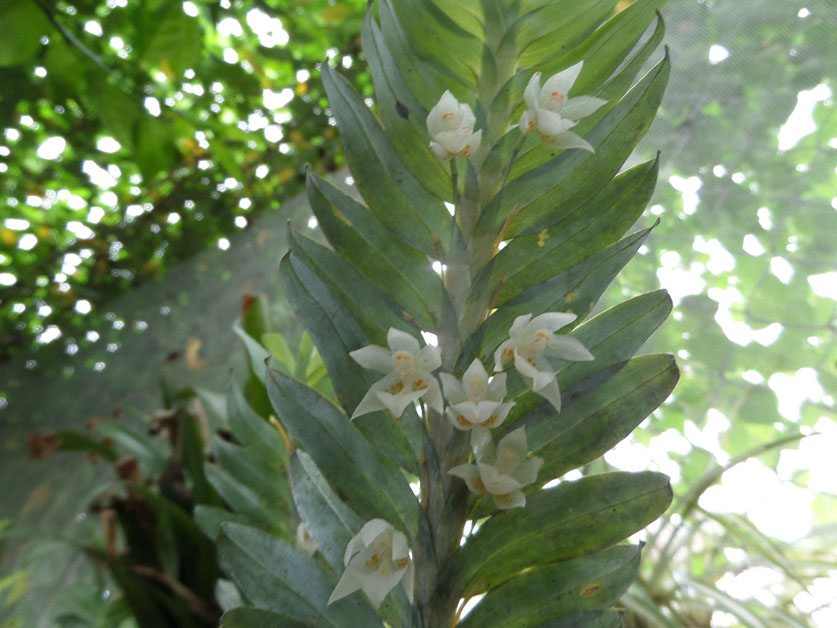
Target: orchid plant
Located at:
point(452, 310)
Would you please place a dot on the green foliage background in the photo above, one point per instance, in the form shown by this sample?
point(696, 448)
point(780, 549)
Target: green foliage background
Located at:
point(727, 114)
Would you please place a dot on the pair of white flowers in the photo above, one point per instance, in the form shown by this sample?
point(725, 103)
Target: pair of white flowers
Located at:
point(550, 113)
point(532, 346)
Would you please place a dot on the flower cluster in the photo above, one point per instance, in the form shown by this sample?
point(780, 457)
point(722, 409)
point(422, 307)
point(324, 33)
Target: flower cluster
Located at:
point(532, 344)
point(500, 470)
point(378, 557)
point(552, 114)
point(549, 111)
point(376, 560)
point(451, 128)
point(408, 369)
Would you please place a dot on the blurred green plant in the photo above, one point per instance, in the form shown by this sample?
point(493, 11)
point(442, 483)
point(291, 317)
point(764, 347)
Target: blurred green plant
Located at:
point(136, 134)
point(204, 459)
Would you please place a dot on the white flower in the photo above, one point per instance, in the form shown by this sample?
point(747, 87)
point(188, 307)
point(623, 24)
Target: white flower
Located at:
point(451, 126)
point(552, 114)
point(500, 470)
point(531, 343)
point(304, 541)
point(409, 374)
point(475, 400)
point(376, 560)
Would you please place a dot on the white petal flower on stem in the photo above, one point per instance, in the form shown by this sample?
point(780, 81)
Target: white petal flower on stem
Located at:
point(475, 400)
point(532, 343)
point(500, 470)
point(451, 128)
point(552, 114)
point(376, 560)
point(409, 374)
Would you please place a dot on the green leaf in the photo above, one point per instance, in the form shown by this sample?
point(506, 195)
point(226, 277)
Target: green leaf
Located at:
point(617, 333)
point(426, 81)
point(599, 412)
point(70, 440)
point(175, 44)
point(154, 146)
point(402, 114)
point(574, 519)
point(550, 192)
point(330, 522)
point(243, 499)
point(586, 619)
point(335, 333)
point(24, 23)
point(551, 591)
point(256, 352)
point(278, 347)
point(353, 289)
point(140, 445)
point(250, 617)
point(210, 518)
point(251, 430)
point(533, 259)
point(553, 29)
point(119, 112)
point(575, 290)
point(392, 193)
point(400, 271)
point(274, 576)
point(369, 484)
point(193, 445)
point(609, 46)
point(435, 36)
point(259, 470)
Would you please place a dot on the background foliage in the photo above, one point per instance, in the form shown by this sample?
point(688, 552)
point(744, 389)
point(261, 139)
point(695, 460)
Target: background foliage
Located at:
point(722, 180)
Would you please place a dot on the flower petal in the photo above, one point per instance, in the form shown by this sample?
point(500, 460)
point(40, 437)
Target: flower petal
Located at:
point(562, 81)
point(376, 585)
point(581, 106)
point(551, 393)
point(347, 585)
point(519, 325)
point(533, 88)
point(503, 354)
point(430, 357)
point(440, 151)
point(373, 357)
point(466, 116)
point(471, 475)
point(408, 581)
point(497, 387)
point(527, 471)
point(495, 482)
point(402, 341)
point(552, 321)
point(515, 499)
point(434, 395)
point(527, 122)
point(551, 124)
point(568, 348)
point(567, 140)
point(396, 403)
point(435, 119)
point(369, 403)
point(454, 393)
point(516, 441)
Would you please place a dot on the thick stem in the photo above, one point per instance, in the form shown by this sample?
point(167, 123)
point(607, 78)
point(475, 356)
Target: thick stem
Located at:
point(445, 498)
